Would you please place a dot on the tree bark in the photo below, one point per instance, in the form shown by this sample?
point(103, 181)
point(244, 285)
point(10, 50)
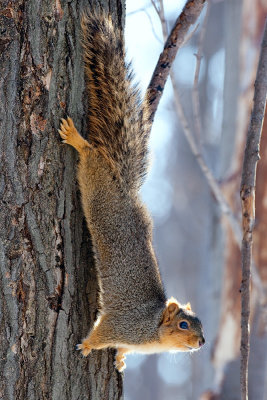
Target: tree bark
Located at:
point(48, 294)
point(188, 17)
point(247, 194)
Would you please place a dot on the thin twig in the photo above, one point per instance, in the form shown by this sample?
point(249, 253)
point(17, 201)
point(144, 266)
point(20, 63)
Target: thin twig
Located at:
point(144, 10)
point(161, 15)
point(215, 188)
point(189, 15)
point(155, 6)
point(190, 34)
point(152, 25)
point(247, 193)
point(195, 91)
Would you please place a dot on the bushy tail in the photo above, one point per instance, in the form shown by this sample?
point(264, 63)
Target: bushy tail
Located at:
point(118, 121)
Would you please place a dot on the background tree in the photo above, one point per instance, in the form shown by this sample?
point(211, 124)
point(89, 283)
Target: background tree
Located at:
point(48, 284)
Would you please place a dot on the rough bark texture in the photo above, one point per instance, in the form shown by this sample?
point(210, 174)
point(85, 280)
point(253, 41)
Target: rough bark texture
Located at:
point(48, 284)
point(247, 193)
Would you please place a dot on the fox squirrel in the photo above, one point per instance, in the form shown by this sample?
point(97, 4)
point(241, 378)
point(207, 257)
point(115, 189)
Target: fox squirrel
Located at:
point(135, 315)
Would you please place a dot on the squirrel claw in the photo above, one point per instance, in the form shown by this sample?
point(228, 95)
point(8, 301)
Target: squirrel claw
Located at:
point(120, 365)
point(63, 136)
point(64, 121)
point(70, 135)
point(85, 349)
point(68, 131)
point(70, 122)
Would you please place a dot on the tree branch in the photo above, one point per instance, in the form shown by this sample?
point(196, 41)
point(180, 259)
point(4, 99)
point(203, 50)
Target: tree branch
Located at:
point(188, 17)
point(195, 91)
point(247, 193)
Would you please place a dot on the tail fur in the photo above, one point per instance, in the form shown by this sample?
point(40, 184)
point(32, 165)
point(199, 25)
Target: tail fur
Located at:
point(118, 121)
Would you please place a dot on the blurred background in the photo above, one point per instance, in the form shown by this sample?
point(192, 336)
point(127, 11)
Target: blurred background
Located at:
point(197, 248)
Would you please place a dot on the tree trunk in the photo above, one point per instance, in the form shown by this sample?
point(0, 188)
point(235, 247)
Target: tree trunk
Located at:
point(48, 291)
point(226, 359)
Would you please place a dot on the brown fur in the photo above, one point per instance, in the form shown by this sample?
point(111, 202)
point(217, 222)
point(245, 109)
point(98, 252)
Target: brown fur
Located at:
point(118, 119)
point(135, 314)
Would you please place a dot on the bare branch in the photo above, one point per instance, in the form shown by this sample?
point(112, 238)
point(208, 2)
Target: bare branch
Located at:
point(176, 38)
point(161, 15)
point(155, 7)
point(247, 193)
point(215, 188)
point(152, 25)
point(144, 10)
point(195, 92)
point(190, 34)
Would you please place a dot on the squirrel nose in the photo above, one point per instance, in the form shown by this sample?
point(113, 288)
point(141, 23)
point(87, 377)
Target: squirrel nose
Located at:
point(201, 342)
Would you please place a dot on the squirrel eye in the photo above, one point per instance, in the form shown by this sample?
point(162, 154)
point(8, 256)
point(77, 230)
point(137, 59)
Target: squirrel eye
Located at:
point(183, 325)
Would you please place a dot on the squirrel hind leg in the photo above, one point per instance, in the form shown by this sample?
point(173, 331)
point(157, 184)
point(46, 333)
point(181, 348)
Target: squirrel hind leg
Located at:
point(71, 136)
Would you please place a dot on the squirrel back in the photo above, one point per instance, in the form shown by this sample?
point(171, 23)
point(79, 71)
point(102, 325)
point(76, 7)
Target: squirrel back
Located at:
point(134, 312)
point(118, 120)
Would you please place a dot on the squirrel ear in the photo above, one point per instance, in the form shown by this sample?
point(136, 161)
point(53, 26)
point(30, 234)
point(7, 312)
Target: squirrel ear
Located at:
point(188, 306)
point(170, 311)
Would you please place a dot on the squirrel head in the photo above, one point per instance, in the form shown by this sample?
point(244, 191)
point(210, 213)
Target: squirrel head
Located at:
point(180, 329)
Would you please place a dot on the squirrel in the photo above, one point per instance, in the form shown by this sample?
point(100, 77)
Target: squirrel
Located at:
point(134, 315)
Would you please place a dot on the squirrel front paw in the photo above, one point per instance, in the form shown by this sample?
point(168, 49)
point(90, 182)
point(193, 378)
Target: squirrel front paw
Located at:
point(120, 365)
point(71, 136)
point(68, 131)
point(84, 347)
point(119, 359)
